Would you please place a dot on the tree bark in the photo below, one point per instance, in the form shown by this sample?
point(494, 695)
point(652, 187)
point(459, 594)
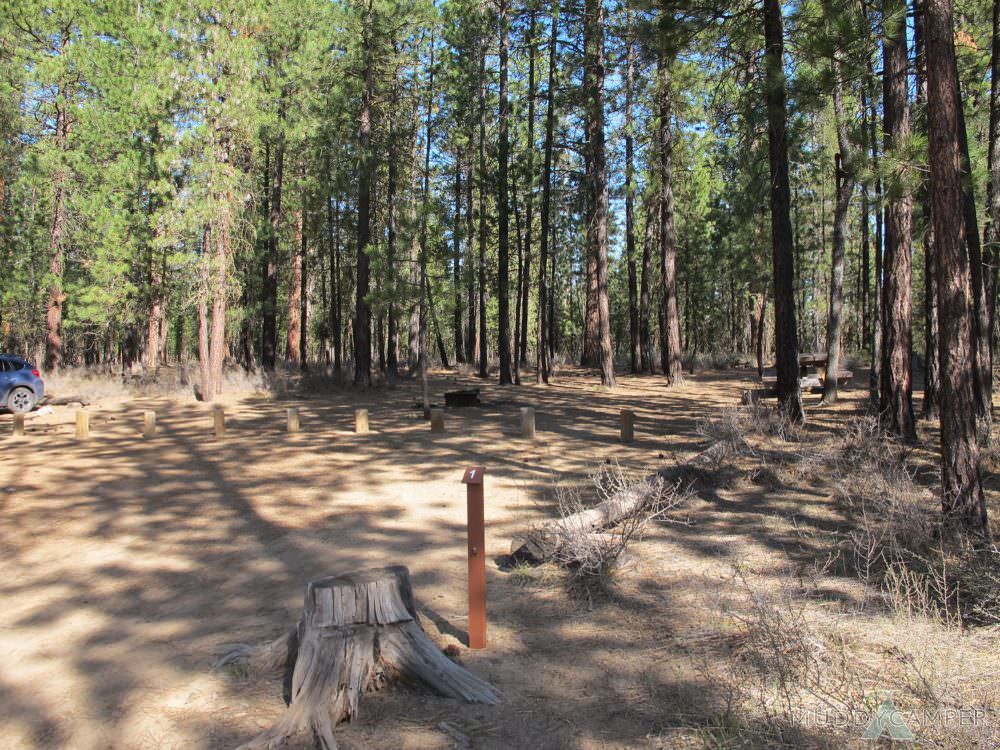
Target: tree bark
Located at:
point(597, 186)
point(895, 401)
point(484, 362)
point(845, 189)
point(56, 297)
point(269, 292)
point(992, 250)
point(981, 338)
point(362, 312)
point(503, 209)
point(456, 264)
point(529, 199)
point(358, 632)
point(962, 500)
point(294, 333)
point(635, 354)
point(670, 331)
point(648, 242)
point(542, 362)
point(932, 391)
point(786, 342)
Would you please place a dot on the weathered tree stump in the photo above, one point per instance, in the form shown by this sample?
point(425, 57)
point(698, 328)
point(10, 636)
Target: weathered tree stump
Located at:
point(358, 632)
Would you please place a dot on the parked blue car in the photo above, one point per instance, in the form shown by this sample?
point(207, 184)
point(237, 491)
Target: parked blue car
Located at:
point(21, 386)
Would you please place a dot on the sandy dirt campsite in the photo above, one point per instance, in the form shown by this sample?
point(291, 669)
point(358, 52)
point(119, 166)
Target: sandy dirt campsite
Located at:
point(127, 562)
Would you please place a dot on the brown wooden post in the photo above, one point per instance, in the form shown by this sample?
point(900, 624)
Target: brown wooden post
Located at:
point(293, 420)
point(437, 420)
point(473, 481)
point(18, 425)
point(628, 426)
point(149, 424)
point(219, 420)
point(528, 422)
point(361, 421)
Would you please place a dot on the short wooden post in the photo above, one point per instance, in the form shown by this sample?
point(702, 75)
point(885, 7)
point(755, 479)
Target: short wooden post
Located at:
point(361, 421)
point(473, 481)
point(628, 426)
point(437, 420)
point(293, 419)
point(528, 422)
point(82, 425)
point(149, 424)
point(219, 421)
point(18, 425)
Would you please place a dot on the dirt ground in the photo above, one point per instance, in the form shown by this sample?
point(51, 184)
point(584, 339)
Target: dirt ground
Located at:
point(127, 562)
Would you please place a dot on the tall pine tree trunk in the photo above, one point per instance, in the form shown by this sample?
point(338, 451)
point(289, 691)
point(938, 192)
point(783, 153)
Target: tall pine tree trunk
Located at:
point(503, 209)
point(269, 290)
point(670, 331)
point(294, 333)
point(845, 189)
point(597, 185)
point(992, 250)
point(895, 402)
point(785, 339)
point(456, 264)
point(362, 312)
point(962, 500)
point(932, 391)
point(649, 238)
point(484, 362)
point(56, 297)
point(529, 198)
point(635, 355)
point(542, 366)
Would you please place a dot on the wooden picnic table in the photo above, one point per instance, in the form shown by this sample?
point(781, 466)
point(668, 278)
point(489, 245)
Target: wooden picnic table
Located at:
point(811, 359)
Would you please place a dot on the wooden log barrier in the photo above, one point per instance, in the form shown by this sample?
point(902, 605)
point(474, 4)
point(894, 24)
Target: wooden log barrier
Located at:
point(627, 426)
point(82, 425)
point(528, 422)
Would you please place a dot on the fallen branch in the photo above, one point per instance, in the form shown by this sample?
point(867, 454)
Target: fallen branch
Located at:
point(544, 543)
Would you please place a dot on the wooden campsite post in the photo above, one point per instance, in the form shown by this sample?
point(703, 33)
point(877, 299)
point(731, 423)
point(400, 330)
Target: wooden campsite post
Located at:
point(528, 422)
point(18, 425)
point(293, 419)
point(473, 481)
point(219, 420)
point(437, 420)
point(148, 424)
point(361, 421)
point(628, 426)
point(82, 425)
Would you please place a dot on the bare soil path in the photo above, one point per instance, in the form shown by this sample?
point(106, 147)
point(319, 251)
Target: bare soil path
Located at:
point(127, 561)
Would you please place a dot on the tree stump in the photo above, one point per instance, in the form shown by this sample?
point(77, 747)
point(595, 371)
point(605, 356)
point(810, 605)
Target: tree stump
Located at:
point(358, 632)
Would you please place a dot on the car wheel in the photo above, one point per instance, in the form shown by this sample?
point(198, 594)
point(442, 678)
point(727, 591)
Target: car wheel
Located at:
point(21, 400)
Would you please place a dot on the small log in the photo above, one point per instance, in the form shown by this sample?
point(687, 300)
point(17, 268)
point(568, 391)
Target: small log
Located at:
point(541, 544)
point(361, 421)
point(292, 420)
point(82, 425)
point(528, 422)
point(358, 632)
point(219, 421)
point(437, 420)
point(67, 400)
point(18, 427)
point(149, 424)
point(628, 426)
